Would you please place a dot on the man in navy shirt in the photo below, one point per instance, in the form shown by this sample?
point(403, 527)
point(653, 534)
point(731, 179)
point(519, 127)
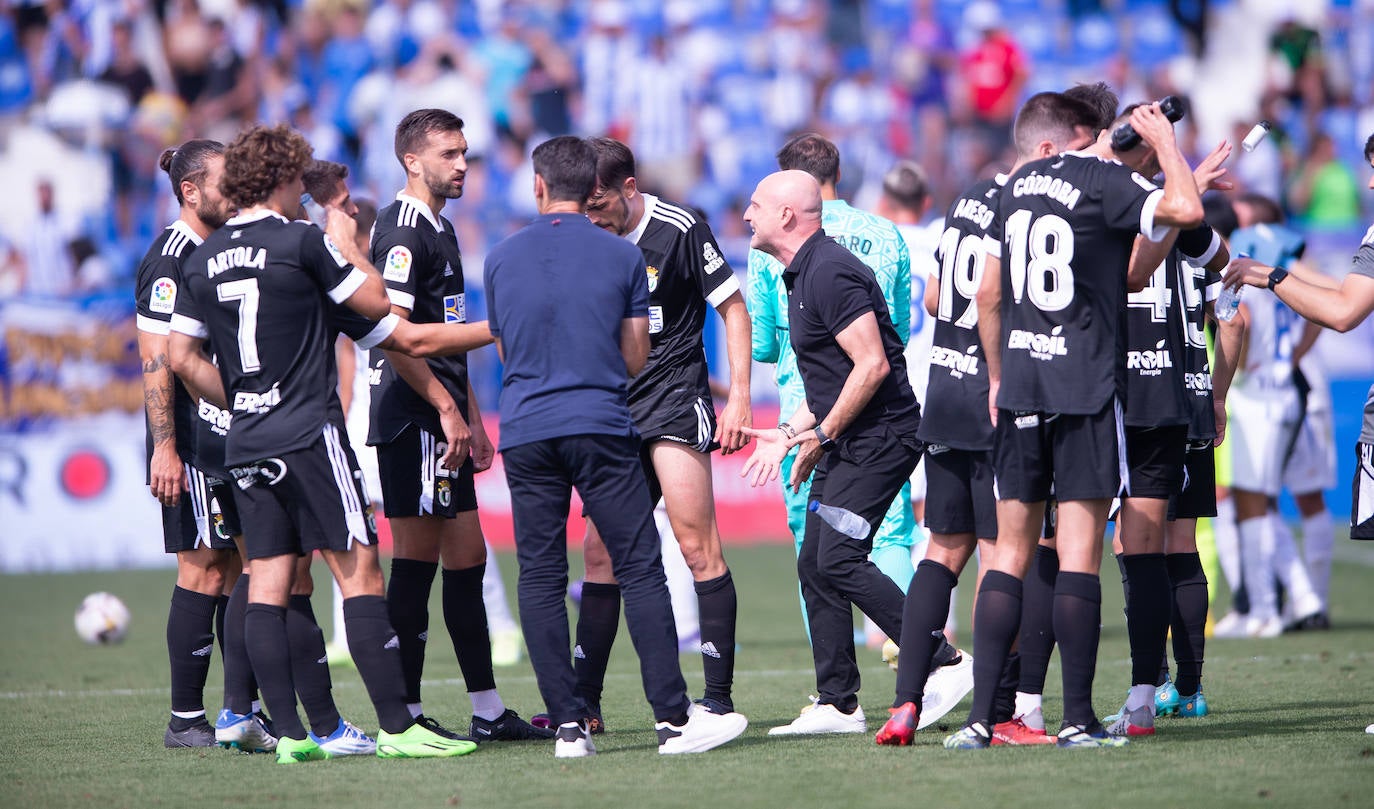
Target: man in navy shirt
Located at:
point(568, 305)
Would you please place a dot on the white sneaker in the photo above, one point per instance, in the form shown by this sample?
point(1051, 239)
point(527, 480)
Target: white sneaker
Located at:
point(823, 718)
point(573, 740)
point(945, 686)
point(1270, 627)
point(704, 730)
point(1231, 625)
point(346, 740)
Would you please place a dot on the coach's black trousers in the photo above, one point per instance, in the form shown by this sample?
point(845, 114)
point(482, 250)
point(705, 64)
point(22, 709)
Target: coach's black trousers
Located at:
point(606, 472)
point(863, 474)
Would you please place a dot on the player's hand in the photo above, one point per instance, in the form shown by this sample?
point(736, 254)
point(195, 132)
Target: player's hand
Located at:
point(769, 449)
point(994, 385)
point(339, 226)
point(1243, 271)
point(1209, 173)
point(166, 475)
point(734, 420)
point(483, 453)
point(809, 454)
point(1153, 128)
point(458, 439)
point(1219, 410)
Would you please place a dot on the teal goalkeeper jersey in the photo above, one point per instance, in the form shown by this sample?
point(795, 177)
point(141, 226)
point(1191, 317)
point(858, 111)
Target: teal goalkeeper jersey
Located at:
point(875, 241)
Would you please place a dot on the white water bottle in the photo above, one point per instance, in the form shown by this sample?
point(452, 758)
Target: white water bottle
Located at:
point(1228, 302)
point(842, 520)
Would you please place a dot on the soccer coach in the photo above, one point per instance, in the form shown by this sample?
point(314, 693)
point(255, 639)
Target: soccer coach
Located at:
point(568, 306)
point(857, 429)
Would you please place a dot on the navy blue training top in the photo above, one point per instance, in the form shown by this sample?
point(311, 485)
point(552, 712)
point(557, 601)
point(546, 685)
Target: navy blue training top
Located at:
point(557, 291)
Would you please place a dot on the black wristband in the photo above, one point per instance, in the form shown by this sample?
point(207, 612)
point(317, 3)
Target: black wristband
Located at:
point(827, 443)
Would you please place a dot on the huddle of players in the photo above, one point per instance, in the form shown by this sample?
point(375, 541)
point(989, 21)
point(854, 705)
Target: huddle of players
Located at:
point(1072, 299)
point(250, 288)
point(255, 281)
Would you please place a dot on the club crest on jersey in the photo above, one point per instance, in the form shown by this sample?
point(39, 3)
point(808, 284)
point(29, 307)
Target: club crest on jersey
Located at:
point(398, 260)
point(1040, 346)
point(220, 530)
point(163, 297)
point(652, 272)
point(443, 492)
point(712, 258)
point(456, 308)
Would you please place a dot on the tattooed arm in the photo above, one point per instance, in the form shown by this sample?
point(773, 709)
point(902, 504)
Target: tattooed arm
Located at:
point(166, 478)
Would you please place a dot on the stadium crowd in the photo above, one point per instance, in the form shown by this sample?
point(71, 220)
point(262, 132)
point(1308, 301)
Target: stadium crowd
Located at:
point(704, 92)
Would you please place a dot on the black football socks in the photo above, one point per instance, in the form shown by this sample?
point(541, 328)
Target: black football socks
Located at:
point(407, 601)
point(597, 621)
point(310, 666)
point(717, 607)
point(377, 654)
point(190, 642)
point(923, 622)
point(465, 614)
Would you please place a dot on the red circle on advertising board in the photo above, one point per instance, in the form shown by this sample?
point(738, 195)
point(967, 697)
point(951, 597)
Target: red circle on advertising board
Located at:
point(85, 474)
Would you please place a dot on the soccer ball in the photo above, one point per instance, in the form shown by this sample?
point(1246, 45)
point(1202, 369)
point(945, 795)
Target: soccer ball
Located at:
point(102, 619)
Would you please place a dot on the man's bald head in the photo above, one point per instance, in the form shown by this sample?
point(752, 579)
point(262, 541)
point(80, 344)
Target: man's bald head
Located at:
point(783, 212)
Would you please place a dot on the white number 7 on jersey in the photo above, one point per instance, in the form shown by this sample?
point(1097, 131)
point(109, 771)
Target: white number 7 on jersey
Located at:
point(245, 292)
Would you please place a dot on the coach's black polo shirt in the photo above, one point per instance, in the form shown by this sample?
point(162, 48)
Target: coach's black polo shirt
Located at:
point(828, 289)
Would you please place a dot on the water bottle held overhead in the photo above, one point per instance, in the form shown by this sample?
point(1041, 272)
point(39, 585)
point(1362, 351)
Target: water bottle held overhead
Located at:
point(842, 520)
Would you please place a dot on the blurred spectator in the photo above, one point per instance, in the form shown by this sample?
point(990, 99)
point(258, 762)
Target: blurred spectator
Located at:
point(1297, 65)
point(549, 90)
point(1325, 192)
point(922, 67)
point(48, 268)
point(188, 41)
point(993, 73)
point(661, 131)
point(126, 69)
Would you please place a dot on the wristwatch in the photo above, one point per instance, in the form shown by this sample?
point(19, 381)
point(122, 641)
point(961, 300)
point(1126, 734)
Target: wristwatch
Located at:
point(827, 443)
point(1276, 277)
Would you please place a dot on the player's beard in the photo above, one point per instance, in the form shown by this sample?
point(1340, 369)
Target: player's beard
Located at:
point(443, 189)
point(214, 216)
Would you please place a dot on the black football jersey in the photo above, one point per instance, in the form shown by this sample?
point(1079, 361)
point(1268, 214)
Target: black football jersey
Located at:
point(257, 290)
point(1198, 286)
point(200, 425)
point(686, 273)
point(957, 393)
point(423, 269)
point(1156, 390)
point(1065, 228)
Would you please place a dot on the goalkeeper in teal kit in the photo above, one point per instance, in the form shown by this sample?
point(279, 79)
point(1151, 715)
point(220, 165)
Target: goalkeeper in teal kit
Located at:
point(877, 243)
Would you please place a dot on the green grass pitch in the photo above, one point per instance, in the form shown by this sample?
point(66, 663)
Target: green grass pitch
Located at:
point(81, 726)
